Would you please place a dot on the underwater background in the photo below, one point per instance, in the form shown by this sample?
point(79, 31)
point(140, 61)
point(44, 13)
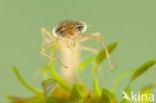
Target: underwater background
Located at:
point(131, 23)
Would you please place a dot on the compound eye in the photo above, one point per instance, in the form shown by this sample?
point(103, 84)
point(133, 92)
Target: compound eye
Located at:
point(82, 27)
point(57, 31)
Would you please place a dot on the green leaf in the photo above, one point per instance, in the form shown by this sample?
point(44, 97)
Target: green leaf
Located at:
point(84, 63)
point(55, 76)
point(75, 92)
point(146, 90)
point(139, 71)
point(102, 54)
point(126, 93)
point(59, 95)
point(96, 88)
point(34, 99)
point(120, 77)
point(48, 86)
point(45, 72)
point(75, 95)
point(60, 80)
point(142, 69)
point(107, 96)
point(149, 87)
point(93, 68)
point(82, 89)
point(24, 83)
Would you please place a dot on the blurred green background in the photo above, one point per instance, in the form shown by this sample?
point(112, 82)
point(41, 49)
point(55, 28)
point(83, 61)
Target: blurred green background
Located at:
point(130, 22)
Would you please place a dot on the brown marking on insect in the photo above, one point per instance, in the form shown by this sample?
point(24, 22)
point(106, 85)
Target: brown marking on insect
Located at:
point(69, 28)
point(67, 38)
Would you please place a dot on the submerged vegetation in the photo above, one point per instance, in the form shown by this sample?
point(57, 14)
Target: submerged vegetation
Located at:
point(57, 90)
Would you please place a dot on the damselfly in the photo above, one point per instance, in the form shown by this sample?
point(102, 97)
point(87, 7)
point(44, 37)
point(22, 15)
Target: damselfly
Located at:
point(67, 37)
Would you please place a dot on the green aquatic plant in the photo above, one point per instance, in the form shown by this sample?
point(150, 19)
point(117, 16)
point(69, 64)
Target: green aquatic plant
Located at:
point(57, 90)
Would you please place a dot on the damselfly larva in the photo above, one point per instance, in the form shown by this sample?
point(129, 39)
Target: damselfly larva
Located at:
point(67, 37)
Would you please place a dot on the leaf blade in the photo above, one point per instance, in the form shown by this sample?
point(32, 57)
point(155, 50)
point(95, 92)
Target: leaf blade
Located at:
point(24, 83)
point(84, 63)
point(120, 77)
point(140, 70)
point(76, 96)
point(48, 86)
point(127, 93)
point(96, 88)
point(107, 96)
point(60, 80)
point(102, 54)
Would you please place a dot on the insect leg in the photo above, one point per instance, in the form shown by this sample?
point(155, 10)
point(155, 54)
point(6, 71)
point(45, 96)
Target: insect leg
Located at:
point(89, 49)
point(49, 56)
point(97, 36)
point(45, 31)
